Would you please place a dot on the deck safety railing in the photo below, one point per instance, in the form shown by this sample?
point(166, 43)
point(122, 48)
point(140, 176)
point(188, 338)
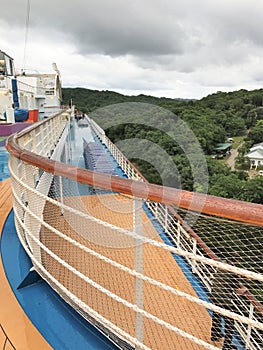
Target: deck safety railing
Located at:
point(123, 253)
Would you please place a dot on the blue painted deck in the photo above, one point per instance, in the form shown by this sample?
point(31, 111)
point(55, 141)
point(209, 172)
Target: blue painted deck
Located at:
point(61, 326)
point(58, 322)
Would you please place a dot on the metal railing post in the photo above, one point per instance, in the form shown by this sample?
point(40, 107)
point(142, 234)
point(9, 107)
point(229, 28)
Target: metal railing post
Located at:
point(166, 219)
point(61, 194)
point(178, 234)
point(248, 337)
point(137, 228)
point(193, 262)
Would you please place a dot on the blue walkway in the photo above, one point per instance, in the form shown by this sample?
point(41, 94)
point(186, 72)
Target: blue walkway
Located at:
point(61, 326)
point(58, 322)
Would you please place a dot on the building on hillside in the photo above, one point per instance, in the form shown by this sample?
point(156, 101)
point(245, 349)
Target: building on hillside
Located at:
point(255, 156)
point(222, 149)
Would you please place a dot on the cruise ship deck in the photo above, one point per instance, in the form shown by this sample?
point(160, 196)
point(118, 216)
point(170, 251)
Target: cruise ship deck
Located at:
point(103, 270)
point(32, 315)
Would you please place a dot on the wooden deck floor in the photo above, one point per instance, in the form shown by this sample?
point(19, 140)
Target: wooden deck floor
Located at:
point(16, 325)
point(157, 263)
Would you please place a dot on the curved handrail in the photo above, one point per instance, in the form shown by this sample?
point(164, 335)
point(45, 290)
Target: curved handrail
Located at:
point(222, 207)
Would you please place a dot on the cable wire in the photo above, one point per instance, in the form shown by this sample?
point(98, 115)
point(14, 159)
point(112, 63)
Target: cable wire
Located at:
point(26, 32)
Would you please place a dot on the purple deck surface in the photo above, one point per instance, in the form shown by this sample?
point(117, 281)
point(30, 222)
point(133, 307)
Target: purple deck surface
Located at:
point(8, 129)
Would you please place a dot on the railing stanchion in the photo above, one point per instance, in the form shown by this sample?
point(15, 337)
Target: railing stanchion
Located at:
point(193, 262)
point(137, 228)
point(166, 219)
point(61, 194)
point(251, 311)
point(178, 234)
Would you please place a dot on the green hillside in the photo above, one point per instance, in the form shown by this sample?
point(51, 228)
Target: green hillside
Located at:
point(159, 121)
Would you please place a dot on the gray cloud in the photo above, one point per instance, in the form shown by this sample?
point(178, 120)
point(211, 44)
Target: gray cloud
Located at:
point(145, 27)
point(107, 27)
point(144, 43)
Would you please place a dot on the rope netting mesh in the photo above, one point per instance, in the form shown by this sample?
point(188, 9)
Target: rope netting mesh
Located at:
point(149, 282)
point(240, 245)
point(227, 237)
point(148, 275)
point(118, 246)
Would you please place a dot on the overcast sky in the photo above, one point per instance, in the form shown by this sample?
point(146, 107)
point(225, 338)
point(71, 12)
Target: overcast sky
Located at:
point(170, 48)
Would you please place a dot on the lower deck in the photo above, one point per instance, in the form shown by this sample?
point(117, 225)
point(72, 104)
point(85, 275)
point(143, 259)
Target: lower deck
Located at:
point(33, 316)
point(152, 261)
point(17, 331)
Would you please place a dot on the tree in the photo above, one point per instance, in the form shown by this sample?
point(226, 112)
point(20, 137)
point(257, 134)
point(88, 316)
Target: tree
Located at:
point(210, 119)
point(256, 133)
point(257, 99)
point(253, 190)
point(228, 186)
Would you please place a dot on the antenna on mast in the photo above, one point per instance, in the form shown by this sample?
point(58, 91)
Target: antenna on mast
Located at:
point(54, 65)
point(26, 33)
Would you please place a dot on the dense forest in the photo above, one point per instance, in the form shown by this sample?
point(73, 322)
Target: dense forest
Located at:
point(147, 129)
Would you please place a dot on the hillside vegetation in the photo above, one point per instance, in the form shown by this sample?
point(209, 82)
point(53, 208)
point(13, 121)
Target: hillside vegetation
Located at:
point(163, 122)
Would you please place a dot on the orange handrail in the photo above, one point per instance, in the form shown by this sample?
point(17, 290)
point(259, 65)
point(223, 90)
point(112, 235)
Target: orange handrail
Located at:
point(222, 207)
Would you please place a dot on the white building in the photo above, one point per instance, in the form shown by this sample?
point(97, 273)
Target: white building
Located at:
point(255, 156)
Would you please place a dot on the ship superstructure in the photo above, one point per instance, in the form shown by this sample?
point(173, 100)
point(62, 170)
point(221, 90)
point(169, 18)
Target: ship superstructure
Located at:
point(27, 95)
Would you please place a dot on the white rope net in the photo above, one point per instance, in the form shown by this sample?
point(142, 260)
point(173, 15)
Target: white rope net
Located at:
point(138, 272)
